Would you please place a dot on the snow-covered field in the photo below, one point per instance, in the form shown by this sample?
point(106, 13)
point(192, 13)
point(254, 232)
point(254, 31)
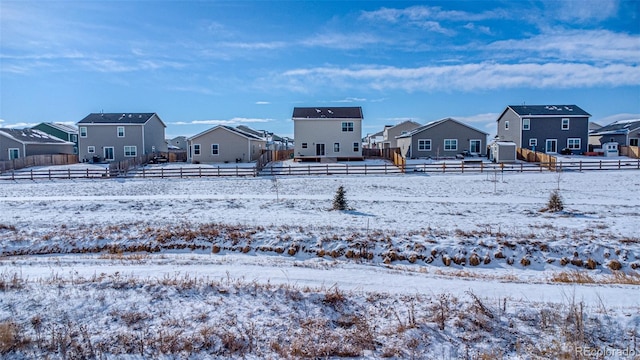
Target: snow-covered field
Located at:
point(427, 267)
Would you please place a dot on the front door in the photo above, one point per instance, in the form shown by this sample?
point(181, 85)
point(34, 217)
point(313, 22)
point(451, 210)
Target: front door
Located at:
point(108, 153)
point(551, 146)
point(319, 149)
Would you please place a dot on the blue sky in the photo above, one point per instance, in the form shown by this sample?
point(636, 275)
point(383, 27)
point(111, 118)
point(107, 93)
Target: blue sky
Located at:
point(202, 63)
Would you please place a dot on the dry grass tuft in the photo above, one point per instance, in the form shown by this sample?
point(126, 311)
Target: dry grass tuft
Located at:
point(614, 265)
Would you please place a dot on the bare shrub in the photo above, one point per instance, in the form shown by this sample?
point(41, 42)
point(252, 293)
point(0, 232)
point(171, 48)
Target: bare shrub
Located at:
point(555, 203)
point(614, 265)
point(474, 259)
point(8, 336)
point(591, 264)
point(525, 261)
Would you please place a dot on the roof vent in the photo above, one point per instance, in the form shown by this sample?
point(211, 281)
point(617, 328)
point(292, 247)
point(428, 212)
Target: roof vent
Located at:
point(318, 111)
point(129, 116)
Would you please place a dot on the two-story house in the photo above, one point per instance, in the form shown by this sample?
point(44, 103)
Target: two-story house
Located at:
point(545, 128)
point(61, 131)
point(119, 136)
point(390, 133)
point(322, 132)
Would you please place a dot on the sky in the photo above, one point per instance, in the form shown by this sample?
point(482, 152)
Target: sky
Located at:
point(198, 64)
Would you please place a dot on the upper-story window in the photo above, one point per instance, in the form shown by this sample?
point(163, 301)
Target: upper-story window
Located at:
point(83, 131)
point(526, 124)
point(506, 125)
point(120, 131)
point(565, 124)
point(347, 126)
point(74, 137)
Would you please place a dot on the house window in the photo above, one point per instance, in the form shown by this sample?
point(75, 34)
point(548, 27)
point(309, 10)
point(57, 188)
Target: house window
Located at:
point(196, 149)
point(304, 145)
point(474, 146)
point(74, 137)
point(14, 153)
point(533, 142)
point(130, 151)
point(424, 144)
point(83, 131)
point(91, 149)
point(120, 131)
point(347, 126)
point(526, 124)
point(215, 149)
point(450, 144)
point(336, 147)
point(356, 147)
point(633, 142)
point(506, 125)
point(565, 124)
point(573, 143)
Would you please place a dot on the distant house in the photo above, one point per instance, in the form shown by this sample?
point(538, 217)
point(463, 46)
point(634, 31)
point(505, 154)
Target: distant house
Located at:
point(545, 128)
point(594, 141)
point(61, 131)
point(322, 132)
point(374, 141)
point(119, 136)
point(624, 132)
point(178, 143)
point(19, 143)
point(274, 142)
point(390, 133)
point(442, 138)
point(224, 144)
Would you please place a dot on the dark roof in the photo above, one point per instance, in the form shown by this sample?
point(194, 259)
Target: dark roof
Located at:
point(31, 136)
point(618, 127)
point(62, 127)
point(433, 124)
point(546, 110)
point(229, 128)
point(116, 118)
point(326, 112)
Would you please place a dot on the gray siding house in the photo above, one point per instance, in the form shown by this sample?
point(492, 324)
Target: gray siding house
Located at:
point(224, 144)
point(624, 132)
point(119, 136)
point(390, 133)
point(322, 132)
point(60, 131)
point(442, 138)
point(545, 128)
point(18, 143)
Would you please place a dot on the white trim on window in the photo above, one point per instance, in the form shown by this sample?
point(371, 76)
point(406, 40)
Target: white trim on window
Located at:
point(336, 147)
point(533, 142)
point(565, 124)
point(450, 144)
point(424, 144)
point(83, 131)
point(120, 131)
point(574, 143)
point(215, 149)
point(14, 153)
point(91, 149)
point(506, 125)
point(356, 147)
point(347, 126)
point(526, 124)
point(196, 149)
point(131, 151)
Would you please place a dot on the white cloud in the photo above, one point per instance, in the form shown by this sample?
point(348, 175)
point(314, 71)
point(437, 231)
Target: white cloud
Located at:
point(343, 41)
point(263, 102)
point(272, 45)
point(478, 118)
point(466, 77)
point(350, 100)
point(20, 125)
point(583, 11)
point(230, 122)
point(416, 14)
point(574, 45)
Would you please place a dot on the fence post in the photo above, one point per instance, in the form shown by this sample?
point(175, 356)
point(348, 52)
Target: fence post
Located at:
point(49, 173)
point(600, 166)
point(365, 169)
point(69, 173)
point(462, 167)
point(580, 167)
point(31, 174)
point(521, 167)
point(444, 167)
point(161, 173)
point(619, 164)
point(236, 170)
point(385, 168)
point(482, 166)
point(309, 169)
point(143, 173)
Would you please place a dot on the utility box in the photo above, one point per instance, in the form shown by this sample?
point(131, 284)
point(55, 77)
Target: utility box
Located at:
point(610, 149)
point(503, 152)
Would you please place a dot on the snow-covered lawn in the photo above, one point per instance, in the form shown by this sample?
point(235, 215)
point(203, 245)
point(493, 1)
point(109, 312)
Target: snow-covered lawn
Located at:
point(447, 266)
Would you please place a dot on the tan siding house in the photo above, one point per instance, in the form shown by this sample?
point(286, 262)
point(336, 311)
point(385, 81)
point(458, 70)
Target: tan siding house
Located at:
point(321, 133)
point(224, 144)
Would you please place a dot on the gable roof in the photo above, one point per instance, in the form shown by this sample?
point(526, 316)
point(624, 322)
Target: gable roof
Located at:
point(31, 136)
point(387, 127)
point(328, 113)
point(547, 110)
point(62, 127)
point(228, 128)
point(118, 118)
point(434, 124)
point(618, 127)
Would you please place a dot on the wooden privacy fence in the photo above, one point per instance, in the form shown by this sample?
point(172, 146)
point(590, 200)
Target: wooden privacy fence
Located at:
point(630, 151)
point(38, 160)
point(273, 155)
point(331, 169)
point(536, 157)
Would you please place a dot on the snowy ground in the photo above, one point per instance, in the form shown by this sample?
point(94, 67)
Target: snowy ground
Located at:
point(447, 266)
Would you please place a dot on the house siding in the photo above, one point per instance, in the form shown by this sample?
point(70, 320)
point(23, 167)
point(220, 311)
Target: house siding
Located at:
point(544, 128)
point(6, 144)
point(55, 132)
point(515, 126)
point(232, 146)
point(105, 135)
point(154, 136)
point(28, 149)
point(438, 133)
point(327, 132)
point(390, 133)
